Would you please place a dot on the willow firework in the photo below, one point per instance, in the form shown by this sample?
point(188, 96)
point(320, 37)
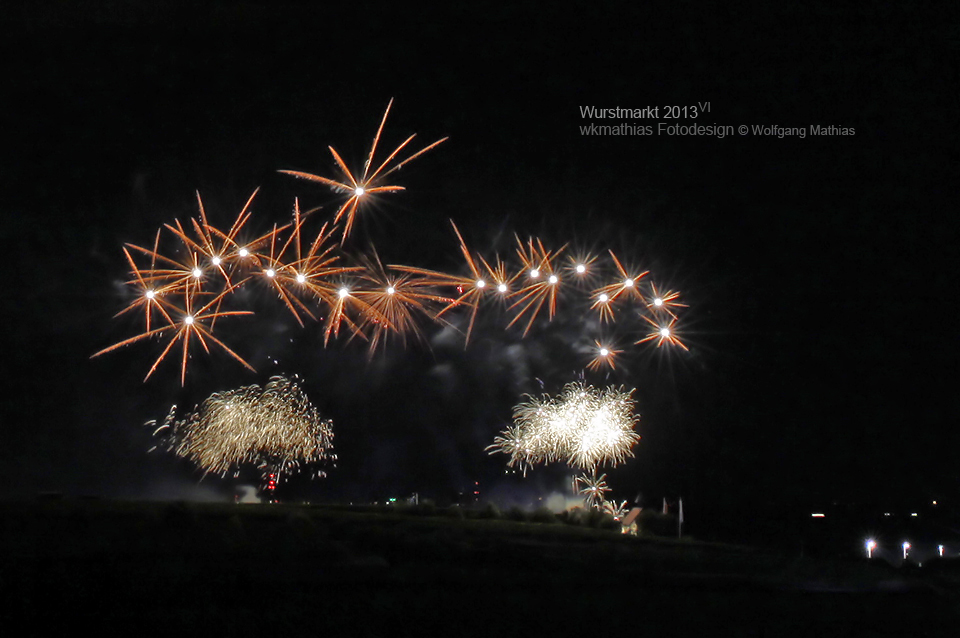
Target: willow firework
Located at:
point(274, 428)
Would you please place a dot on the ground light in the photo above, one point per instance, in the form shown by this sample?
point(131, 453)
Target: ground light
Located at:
point(906, 548)
point(871, 545)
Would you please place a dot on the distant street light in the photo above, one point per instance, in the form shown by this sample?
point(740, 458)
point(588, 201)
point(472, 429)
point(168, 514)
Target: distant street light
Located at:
point(906, 548)
point(871, 545)
point(940, 549)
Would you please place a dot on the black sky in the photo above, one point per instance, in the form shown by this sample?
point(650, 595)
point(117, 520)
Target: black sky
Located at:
point(820, 271)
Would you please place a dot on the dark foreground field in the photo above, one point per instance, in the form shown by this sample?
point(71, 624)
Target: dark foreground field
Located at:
point(314, 570)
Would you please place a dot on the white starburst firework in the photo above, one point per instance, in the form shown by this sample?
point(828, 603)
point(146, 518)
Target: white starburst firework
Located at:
point(583, 426)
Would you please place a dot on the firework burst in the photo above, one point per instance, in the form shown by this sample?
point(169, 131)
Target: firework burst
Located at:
point(593, 488)
point(192, 325)
point(369, 181)
point(663, 333)
point(274, 428)
point(605, 355)
point(583, 426)
point(542, 281)
point(186, 281)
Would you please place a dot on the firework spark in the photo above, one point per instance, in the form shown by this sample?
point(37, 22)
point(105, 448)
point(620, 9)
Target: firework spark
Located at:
point(583, 426)
point(542, 281)
point(185, 290)
point(396, 300)
point(190, 326)
point(626, 283)
point(604, 355)
point(275, 428)
point(664, 301)
point(369, 181)
point(593, 488)
point(663, 333)
point(470, 288)
point(614, 509)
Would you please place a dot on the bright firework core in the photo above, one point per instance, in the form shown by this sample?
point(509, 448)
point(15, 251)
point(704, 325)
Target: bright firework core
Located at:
point(188, 320)
point(197, 273)
point(658, 301)
point(243, 252)
point(301, 278)
point(391, 290)
point(534, 273)
point(215, 261)
point(581, 268)
point(664, 332)
point(270, 272)
point(481, 283)
point(343, 292)
point(502, 288)
point(150, 294)
point(359, 191)
point(553, 279)
point(603, 298)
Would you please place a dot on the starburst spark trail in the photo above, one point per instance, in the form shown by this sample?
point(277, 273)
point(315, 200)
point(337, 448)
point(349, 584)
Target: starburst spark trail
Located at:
point(183, 292)
point(368, 184)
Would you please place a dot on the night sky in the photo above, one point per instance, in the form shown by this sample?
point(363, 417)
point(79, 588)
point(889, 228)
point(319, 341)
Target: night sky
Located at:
point(820, 272)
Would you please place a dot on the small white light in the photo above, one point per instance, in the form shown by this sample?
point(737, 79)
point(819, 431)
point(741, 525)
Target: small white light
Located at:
point(270, 272)
point(197, 273)
point(628, 283)
point(535, 273)
point(818, 515)
point(391, 290)
point(664, 332)
point(581, 268)
point(658, 301)
point(603, 297)
point(940, 549)
point(604, 352)
point(215, 261)
point(553, 279)
point(188, 320)
point(358, 191)
point(150, 294)
point(913, 513)
point(300, 278)
point(502, 288)
point(243, 252)
point(343, 292)
point(481, 283)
